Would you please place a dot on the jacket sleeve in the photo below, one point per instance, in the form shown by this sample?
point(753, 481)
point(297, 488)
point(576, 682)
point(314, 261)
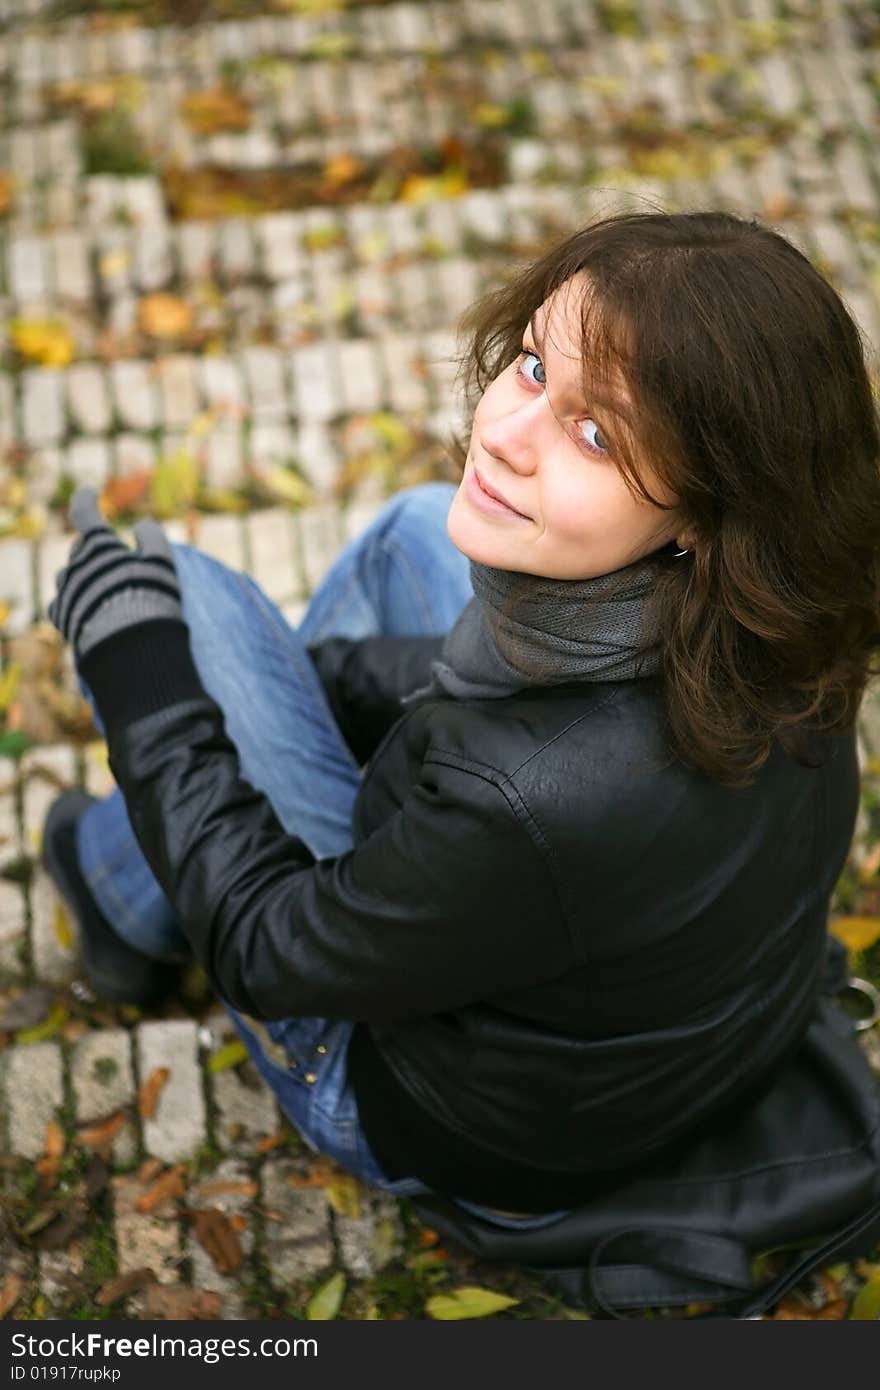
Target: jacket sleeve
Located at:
point(448, 902)
point(364, 679)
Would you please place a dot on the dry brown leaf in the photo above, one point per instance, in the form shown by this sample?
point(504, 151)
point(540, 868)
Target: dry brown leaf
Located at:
point(233, 1189)
point(5, 193)
point(123, 1284)
point(175, 1301)
point(215, 109)
point(126, 494)
point(216, 1236)
point(171, 1184)
point(321, 1171)
point(10, 1292)
point(271, 1141)
point(164, 315)
point(149, 1170)
point(238, 1221)
point(342, 168)
point(148, 1095)
point(101, 1136)
point(54, 1140)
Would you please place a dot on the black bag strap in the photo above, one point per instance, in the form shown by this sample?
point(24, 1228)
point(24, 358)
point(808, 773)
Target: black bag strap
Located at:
point(691, 1266)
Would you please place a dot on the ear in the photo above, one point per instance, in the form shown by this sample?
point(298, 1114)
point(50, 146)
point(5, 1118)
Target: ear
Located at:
point(684, 541)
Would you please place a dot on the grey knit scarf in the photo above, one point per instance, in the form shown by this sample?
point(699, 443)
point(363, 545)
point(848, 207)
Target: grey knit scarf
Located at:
point(522, 630)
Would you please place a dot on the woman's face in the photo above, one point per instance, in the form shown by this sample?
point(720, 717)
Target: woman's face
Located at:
point(538, 444)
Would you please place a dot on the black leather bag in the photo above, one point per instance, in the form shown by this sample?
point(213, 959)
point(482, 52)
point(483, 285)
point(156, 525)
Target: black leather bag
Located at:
point(798, 1169)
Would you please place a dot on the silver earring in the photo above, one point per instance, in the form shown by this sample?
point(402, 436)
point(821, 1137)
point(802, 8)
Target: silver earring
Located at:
point(676, 553)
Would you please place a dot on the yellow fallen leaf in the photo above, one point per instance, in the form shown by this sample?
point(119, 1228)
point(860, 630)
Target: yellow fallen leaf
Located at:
point(5, 611)
point(47, 341)
point(289, 486)
point(175, 483)
point(856, 933)
point(491, 114)
point(9, 683)
point(113, 263)
point(228, 1056)
point(325, 1304)
point(467, 1302)
point(342, 168)
point(344, 1195)
point(216, 109)
point(6, 186)
point(47, 1029)
point(63, 930)
point(164, 315)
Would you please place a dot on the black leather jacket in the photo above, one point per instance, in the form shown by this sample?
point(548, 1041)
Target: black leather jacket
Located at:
point(565, 946)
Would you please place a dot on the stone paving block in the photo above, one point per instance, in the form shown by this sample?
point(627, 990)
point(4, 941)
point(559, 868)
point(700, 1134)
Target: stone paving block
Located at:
point(8, 429)
point(223, 466)
point(13, 926)
point(46, 771)
point(42, 405)
point(321, 540)
point(53, 553)
point(318, 455)
point(103, 1081)
point(16, 582)
point(145, 201)
point(404, 375)
point(144, 1240)
point(315, 390)
point(221, 537)
point(179, 1124)
point(104, 194)
point(134, 453)
point(88, 462)
point(54, 936)
point(153, 263)
point(135, 394)
point(278, 237)
point(271, 445)
point(60, 1275)
point(233, 1173)
point(114, 259)
point(178, 389)
point(235, 249)
point(196, 243)
point(457, 285)
point(222, 387)
point(297, 1239)
point(71, 271)
point(272, 554)
point(264, 373)
point(32, 1079)
point(373, 297)
point(88, 398)
point(360, 376)
point(367, 1242)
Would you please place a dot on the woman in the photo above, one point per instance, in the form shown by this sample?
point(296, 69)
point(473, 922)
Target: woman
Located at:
point(577, 902)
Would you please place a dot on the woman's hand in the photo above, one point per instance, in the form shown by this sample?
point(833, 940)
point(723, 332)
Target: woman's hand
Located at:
point(106, 585)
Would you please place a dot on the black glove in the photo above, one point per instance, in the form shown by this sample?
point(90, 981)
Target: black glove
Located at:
point(107, 586)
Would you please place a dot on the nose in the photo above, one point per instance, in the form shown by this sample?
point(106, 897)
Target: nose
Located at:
point(513, 437)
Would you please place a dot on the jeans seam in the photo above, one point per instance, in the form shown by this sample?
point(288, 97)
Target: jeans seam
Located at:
point(394, 551)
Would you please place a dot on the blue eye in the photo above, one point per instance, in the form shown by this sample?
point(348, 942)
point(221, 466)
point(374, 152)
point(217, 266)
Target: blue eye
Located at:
point(524, 354)
point(599, 448)
point(596, 448)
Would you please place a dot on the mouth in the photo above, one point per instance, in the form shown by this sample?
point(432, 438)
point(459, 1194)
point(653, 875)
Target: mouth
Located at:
point(498, 496)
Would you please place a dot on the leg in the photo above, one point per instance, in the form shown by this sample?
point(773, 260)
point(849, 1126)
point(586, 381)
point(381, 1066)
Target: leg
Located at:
point(401, 576)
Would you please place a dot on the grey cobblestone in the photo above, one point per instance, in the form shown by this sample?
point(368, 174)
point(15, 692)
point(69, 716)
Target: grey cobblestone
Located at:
point(33, 1083)
point(232, 1173)
point(103, 1082)
point(27, 270)
point(272, 554)
point(179, 1124)
point(135, 394)
point(54, 942)
point(16, 586)
point(88, 399)
point(367, 1242)
point(13, 925)
point(144, 1241)
point(88, 462)
point(297, 1224)
point(178, 390)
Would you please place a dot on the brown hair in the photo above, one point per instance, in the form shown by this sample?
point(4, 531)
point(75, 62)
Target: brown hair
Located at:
point(753, 405)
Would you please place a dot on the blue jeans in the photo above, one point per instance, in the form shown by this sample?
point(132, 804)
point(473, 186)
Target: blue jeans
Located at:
point(402, 576)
